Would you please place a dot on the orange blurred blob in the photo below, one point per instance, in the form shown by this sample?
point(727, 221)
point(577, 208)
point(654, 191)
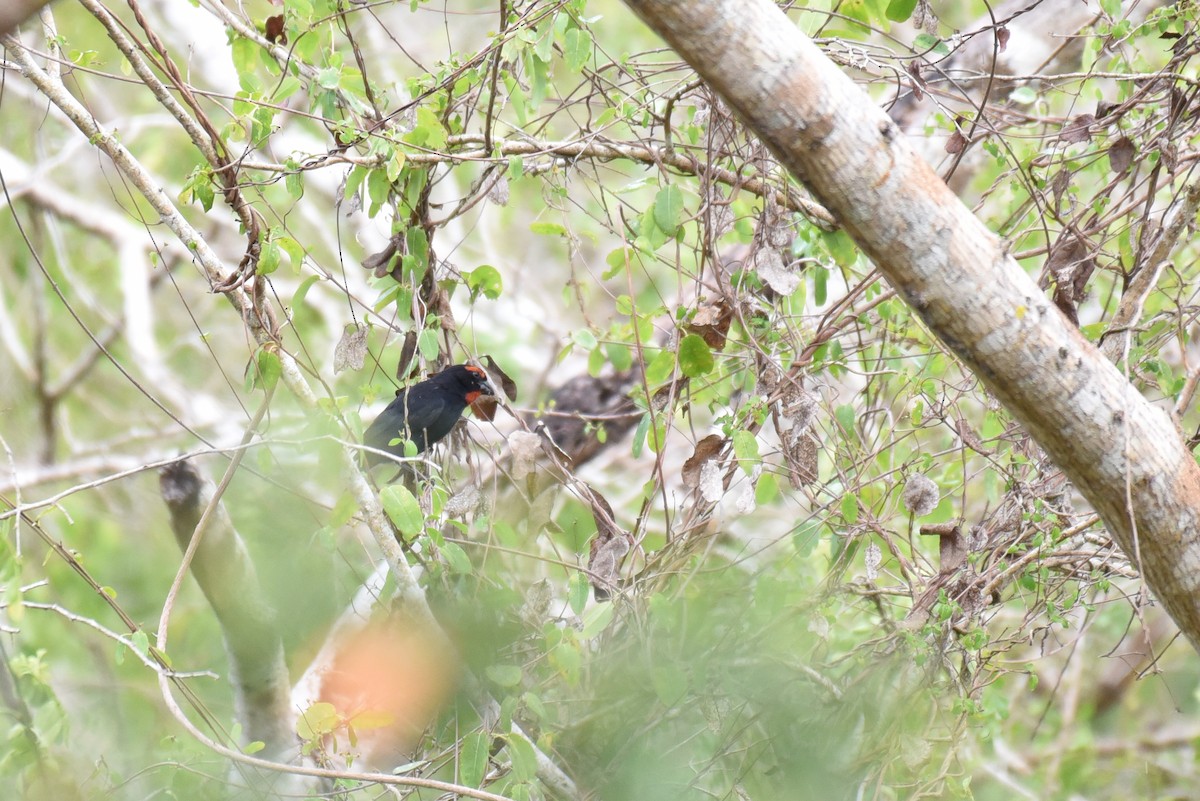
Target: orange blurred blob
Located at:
point(388, 683)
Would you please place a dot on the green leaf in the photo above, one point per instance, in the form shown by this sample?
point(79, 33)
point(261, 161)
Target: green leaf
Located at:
point(850, 508)
point(428, 131)
point(745, 448)
point(596, 620)
point(328, 78)
point(660, 368)
point(354, 180)
point(619, 355)
point(456, 558)
point(485, 280)
point(639, 435)
point(924, 43)
point(243, 52)
point(534, 703)
point(668, 209)
point(343, 510)
point(695, 357)
point(418, 246)
point(845, 416)
point(577, 48)
point(395, 164)
point(651, 236)
point(543, 228)
point(286, 88)
point(595, 362)
point(269, 368)
point(318, 720)
point(504, 675)
point(269, 258)
point(378, 187)
point(901, 10)
point(841, 247)
point(577, 592)
point(584, 338)
point(294, 251)
point(473, 758)
point(767, 489)
point(254, 747)
point(403, 510)
point(427, 343)
point(670, 681)
point(617, 260)
point(523, 756)
point(516, 167)
point(1023, 95)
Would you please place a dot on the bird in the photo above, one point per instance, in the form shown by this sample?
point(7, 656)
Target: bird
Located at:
point(425, 412)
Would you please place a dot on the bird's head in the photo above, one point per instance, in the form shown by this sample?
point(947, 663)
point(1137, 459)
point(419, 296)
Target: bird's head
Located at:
point(474, 381)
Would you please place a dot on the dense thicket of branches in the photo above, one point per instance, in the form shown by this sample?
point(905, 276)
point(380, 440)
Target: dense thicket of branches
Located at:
point(833, 561)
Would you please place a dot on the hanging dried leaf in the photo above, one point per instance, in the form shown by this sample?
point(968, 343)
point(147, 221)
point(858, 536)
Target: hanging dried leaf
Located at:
point(956, 143)
point(379, 263)
point(605, 565)
point(722, 220)
point(537, 603)
point(711, 322)
point(1170, 156)
point(464, 502)
point(952, 547)
point(1078, 129)
point(484, 407)
point(1121, 154)
point(608, 548)
point(918, 81)
point(921, 495)
point(873, 559)
point(351, 350)
point(970, 438)
point(798, 405)
point(498, 191)
point(525, 446)
point(405, 369)
point(1059, 184)
point(770, 266)
point(746, 502)
point(1071, 264)
point(273, 30)
point(705, 450)
point(506, 383)
point(801, 458)
point(777, 227)
point(1002, 36)
point(712, 488)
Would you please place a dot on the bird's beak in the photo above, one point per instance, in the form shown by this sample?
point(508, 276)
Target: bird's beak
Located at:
point(487, 389)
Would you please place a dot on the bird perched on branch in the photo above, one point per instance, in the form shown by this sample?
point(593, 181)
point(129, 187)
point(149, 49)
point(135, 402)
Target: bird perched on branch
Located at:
point(426, 411)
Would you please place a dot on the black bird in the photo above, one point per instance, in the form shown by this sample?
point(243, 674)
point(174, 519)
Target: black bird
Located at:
point(426, 411)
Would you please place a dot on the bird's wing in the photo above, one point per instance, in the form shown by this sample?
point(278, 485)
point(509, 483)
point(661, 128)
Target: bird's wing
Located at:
point(408, 416)
point(427, 405)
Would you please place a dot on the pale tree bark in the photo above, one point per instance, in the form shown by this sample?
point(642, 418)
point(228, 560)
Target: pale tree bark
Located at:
point(1125, 455)
point(14, 12)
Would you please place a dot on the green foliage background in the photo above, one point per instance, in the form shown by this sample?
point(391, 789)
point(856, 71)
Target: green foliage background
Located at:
point(566, 197)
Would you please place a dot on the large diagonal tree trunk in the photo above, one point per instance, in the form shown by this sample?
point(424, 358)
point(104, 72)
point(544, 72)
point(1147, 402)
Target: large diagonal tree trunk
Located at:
point(1125, 455)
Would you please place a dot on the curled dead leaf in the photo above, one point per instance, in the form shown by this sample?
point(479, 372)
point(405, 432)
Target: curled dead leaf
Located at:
point(705, 449)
